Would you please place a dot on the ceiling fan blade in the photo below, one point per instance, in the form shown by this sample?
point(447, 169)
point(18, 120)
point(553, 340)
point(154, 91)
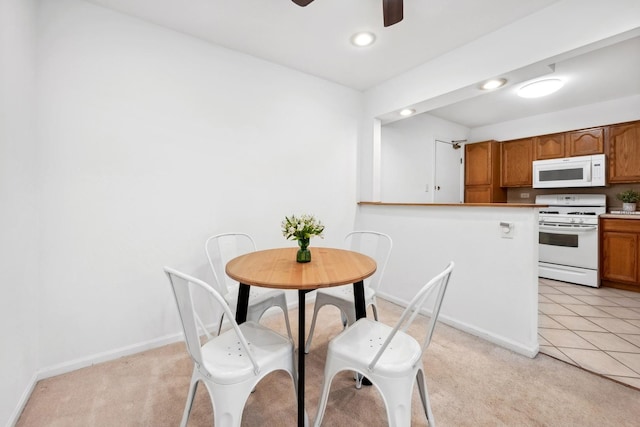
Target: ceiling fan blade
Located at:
point(302, 3)
point(392, 11)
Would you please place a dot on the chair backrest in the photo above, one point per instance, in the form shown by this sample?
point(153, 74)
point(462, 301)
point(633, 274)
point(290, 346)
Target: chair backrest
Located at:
point(220, 249)
point(374, 244)
point(183, 286)
point(437, 285)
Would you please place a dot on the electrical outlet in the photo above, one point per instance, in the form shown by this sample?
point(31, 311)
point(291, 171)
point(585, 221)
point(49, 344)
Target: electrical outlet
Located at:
point(426, 188)
point(524, 195)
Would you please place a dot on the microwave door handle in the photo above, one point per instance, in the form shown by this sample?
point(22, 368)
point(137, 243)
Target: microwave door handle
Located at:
point(589, 171)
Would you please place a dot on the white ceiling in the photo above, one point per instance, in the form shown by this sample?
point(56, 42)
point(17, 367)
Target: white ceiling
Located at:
point(315, 40)
point(603, 74)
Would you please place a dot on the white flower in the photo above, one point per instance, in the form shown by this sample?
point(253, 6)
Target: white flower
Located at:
point(303, 227)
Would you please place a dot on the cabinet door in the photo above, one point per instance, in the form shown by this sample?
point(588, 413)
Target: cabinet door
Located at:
point(585, 142)
point(549, 146)
point(620, 257)
point(477, 194)
point(624, 152)
point(517, 158)
point(477, 161)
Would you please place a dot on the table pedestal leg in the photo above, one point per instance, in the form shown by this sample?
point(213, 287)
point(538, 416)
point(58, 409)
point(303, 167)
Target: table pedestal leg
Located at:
point(301, 356)
point(243, 303)
point(361, 309)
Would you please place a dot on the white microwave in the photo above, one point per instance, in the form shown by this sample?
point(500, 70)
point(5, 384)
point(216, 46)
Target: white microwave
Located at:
point(583, 171)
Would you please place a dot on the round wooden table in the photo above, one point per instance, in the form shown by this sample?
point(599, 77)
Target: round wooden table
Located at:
point(277, 268)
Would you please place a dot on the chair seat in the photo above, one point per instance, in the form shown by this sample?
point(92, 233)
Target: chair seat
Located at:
point(225, 360)
point(361, 342)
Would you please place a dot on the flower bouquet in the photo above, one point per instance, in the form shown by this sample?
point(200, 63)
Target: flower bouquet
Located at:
point(302, 228)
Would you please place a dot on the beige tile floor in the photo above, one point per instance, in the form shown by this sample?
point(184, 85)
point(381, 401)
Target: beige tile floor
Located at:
point(597, 329)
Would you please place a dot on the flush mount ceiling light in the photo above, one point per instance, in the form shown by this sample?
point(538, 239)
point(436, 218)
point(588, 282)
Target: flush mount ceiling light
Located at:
point(407, 112)
point(540, 88)
point(363, 39)
point(493, 84)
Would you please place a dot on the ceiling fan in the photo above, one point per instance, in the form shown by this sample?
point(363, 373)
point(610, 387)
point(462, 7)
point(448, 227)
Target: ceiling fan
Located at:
point(391, 10)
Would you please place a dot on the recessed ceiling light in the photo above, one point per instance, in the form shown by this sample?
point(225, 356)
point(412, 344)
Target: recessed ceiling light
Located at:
point(493, 84)
point(407, 112)
point(363, 39)
point(540, 88)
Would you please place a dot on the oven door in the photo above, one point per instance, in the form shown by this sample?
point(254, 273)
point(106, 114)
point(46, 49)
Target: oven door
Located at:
point(570, 245)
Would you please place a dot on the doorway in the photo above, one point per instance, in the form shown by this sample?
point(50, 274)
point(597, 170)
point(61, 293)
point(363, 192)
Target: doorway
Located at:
point(447, 172)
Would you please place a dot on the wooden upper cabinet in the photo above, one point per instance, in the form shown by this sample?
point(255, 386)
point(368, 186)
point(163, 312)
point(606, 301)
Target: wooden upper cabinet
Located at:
point(549, 146)
point(624, 152)
point(482, 173)
point(517, 158)
point(478, 162)
point(585, 142)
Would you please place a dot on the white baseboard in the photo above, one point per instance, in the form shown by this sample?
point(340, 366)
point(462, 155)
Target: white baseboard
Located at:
point(516, 347)
point(72, 365)
point(13, 418)
point(106, 356)
point(501, 341)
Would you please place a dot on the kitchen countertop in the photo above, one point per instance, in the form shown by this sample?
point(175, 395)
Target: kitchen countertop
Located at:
point(621, 216)
point(475, 205)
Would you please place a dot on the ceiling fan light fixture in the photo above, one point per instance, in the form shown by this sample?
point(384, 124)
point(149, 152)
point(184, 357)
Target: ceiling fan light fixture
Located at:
point(540, 88)
point(363, 39)
point(407, 112)
point(493, 84)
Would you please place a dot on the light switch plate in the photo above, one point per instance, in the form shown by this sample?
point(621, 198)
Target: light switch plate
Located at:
point(507, 229)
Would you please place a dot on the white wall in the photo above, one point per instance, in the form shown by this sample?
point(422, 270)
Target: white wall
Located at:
point(19, 245)
point(152, 141)
point(493, 291)
point(407, 156)
point(603, 113)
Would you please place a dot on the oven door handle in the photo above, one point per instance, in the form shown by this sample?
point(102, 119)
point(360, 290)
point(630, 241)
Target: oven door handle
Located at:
point(557, 228)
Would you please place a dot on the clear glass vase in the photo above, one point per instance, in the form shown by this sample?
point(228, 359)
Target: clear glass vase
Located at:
point(304, 254)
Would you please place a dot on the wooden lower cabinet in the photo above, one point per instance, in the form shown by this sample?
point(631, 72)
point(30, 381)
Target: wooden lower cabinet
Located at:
point(619, 253)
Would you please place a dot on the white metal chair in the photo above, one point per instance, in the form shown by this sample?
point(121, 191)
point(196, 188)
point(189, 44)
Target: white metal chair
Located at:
point(377, 246)
point(232, 363)
point(389, 357)
point(220, 249)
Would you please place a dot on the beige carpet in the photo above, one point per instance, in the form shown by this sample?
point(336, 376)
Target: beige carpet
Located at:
point(471, 383)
